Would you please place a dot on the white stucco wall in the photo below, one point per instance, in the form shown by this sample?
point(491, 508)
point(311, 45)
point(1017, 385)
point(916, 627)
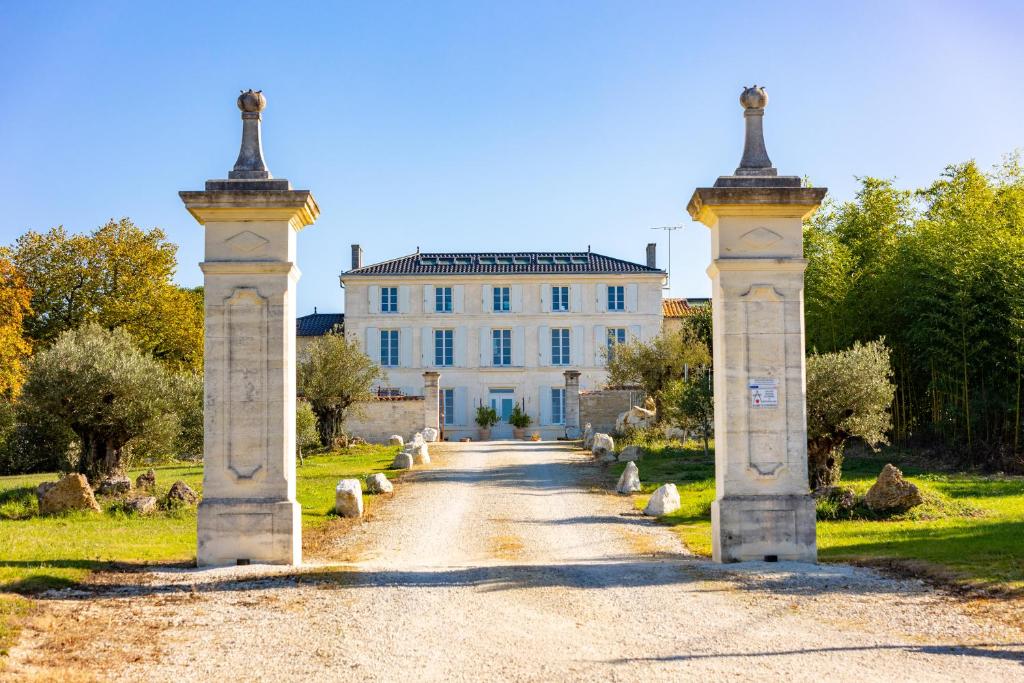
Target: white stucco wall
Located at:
point(532, 375)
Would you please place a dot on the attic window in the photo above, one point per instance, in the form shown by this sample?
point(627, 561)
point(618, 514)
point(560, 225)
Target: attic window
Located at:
point(486, 260)
point(521, 260)
point(561, 260)
point(504, 260)
point(463, 260)
point(579, 260)
point(428, 261)
point(545, 260)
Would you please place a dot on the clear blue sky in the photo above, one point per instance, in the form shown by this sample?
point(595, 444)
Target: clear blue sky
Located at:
point(486, 125)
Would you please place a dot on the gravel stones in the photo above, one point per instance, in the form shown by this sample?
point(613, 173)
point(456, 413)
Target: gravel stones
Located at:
point(72, 492)
point(663, 501)
point(378, 483)
point(892, 493)
point(348, 498)
point(629, 480)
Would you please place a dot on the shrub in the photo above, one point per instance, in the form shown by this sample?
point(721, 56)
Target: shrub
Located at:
point(519, 419)
point(306, 436)
point(486, 417)
point(690, 405)
point(95, 383)
point(848, 396)
point(656, 363)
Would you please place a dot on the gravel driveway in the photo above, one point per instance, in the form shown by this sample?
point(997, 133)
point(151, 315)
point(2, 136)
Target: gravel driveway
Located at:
point(505, 562)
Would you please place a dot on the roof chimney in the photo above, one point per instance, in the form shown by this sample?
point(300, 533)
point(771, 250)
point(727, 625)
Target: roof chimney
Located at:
point(652, 260)
point(357, 256)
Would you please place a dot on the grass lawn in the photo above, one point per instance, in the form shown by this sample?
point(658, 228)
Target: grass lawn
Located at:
point(981, 546)
point(45, 552)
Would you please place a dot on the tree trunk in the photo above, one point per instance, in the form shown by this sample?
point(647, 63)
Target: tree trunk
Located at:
point(328, 424)
point(824, 462)
point(101, 458)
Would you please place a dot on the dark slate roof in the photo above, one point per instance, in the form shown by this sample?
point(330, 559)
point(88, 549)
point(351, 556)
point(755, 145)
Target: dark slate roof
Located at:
point(318, 324)
point(508, 263)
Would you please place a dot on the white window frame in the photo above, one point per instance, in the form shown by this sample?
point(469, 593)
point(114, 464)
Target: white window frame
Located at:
point(444, 348)
point(390, 348)
point(616, 298)
point(501, 299)
point(501, 347)
point(560, 298)
point(389, 299)
point(558, 405)
point(443, 300)
point(560, 346)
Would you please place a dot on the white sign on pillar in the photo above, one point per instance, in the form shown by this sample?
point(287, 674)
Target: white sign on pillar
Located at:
point(249, 512)
point(762, 509)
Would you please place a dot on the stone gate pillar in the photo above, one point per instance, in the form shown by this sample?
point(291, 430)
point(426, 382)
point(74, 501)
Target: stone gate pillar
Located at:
point(762, 507)
point(432, 399)
point(572, 404)
point(249, 511)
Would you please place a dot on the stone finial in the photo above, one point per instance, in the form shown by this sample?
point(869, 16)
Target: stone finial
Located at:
point(252, 101)
point(755, 161)
point(250, 164)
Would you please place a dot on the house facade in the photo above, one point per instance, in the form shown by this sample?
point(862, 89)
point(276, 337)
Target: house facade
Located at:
point(500, 328)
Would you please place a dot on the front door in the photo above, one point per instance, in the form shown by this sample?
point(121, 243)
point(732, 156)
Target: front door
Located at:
point(502, 400)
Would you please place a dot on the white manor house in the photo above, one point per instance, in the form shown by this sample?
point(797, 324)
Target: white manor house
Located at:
point(500, 328)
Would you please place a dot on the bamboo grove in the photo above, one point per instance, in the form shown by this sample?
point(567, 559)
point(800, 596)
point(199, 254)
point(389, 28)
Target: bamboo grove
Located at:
point(939, 274)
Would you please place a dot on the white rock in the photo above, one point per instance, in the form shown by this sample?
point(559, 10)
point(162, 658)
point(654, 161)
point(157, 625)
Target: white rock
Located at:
point(602, 445)
point(629, 482)
point(417, 438)
point(663, 501)
point(588, 436)
point(403, 461)
point(631, 453)
point(378, 483)
point(396, 440)
point(421, 454)
point(634, 418)
point(348, 498)
point(430, 435)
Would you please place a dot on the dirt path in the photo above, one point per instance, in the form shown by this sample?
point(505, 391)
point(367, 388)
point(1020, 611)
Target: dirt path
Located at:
point(502, 563)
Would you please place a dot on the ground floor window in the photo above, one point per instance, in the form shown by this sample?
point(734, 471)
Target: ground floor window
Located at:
point(448, 405)
point(558, 406)
point(389, 348)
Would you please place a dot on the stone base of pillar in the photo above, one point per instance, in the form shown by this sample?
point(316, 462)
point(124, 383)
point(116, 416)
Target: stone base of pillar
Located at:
point(753, 528)
point(258, 531)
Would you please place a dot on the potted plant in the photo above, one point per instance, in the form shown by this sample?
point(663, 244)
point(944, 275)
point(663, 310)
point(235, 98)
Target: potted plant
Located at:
point(486, 417)
point(519, 421)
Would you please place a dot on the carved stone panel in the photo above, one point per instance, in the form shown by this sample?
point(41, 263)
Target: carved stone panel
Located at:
point(765, 328)
point(245, 376)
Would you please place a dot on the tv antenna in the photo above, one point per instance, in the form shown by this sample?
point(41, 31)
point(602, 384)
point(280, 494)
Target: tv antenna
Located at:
point(669, 229)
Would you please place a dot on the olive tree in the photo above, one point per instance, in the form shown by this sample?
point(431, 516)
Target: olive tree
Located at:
point(334, 375)
point(690, 404)
point(656, 363)
point(848, 396)
point(101, 387)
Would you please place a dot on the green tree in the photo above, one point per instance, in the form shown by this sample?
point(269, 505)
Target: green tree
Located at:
point(334, 375)
point(118, 276)
point(98, 385)
point(306, 435)
point(690, 404)
point(15, 306)
point(848, 396)
point(656, 363)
